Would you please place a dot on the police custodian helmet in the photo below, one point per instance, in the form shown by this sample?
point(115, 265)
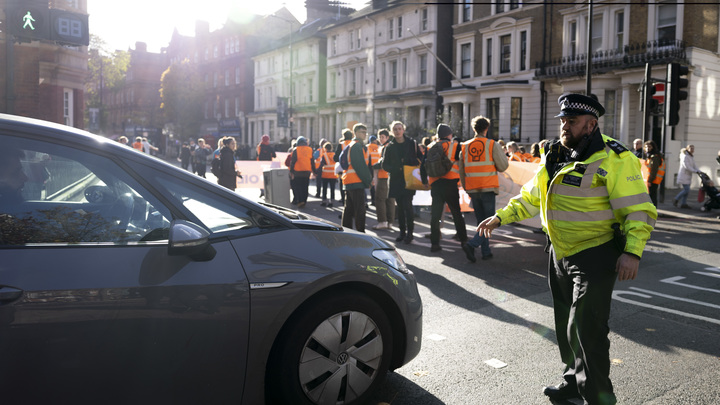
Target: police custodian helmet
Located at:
point(572, 104)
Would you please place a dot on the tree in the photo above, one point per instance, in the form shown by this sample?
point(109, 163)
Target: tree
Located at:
point(106, 72)
point(181, 94)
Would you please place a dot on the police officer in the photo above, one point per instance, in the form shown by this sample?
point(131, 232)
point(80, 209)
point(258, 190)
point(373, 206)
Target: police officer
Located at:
point(598, 216)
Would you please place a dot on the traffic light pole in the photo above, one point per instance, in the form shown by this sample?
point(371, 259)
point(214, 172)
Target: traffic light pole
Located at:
point(9, 73)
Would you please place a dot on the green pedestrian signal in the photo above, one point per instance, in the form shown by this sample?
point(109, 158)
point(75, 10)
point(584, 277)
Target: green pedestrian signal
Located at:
point(28, 22)
point(28, 19)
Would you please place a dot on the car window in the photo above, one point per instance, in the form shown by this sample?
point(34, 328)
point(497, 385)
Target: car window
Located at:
point(55, 194)
point(215, 212)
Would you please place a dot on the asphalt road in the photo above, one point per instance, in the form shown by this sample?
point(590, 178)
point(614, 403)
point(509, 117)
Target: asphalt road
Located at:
point(488, 333)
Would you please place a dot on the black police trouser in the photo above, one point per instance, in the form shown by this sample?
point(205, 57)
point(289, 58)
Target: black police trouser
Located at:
point(445, 191)
point(581, 287)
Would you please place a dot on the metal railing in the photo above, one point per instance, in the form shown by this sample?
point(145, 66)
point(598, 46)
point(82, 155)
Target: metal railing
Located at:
point(632, 55)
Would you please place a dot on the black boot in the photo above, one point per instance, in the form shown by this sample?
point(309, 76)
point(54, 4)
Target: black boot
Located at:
point(401, 236)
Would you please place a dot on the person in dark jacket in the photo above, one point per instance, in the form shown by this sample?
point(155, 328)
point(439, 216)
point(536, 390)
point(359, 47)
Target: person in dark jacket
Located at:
point(357, 179)
point(347, 136)
point(228, 173)
point(401, 151)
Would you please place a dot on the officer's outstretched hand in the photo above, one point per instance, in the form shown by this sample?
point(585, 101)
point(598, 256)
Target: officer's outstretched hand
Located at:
point(627, 267)
point(487, 225)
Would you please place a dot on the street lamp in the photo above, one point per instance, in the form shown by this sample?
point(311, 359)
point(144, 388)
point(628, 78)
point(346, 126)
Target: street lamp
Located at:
point(290, 102)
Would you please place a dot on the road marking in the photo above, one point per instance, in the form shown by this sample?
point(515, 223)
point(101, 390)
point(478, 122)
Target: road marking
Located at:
point(675, 281)
point(707, 304)
point(617, 296)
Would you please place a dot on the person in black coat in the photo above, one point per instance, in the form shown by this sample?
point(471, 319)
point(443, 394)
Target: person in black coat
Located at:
point(228, 174)
point(401, 151)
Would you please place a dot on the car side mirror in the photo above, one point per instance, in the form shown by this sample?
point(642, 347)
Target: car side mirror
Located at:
point(189, 239)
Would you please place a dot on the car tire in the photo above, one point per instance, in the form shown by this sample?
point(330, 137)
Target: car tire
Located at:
point(336, 352)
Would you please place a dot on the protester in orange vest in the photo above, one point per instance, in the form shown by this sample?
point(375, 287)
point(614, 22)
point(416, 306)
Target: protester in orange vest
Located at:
point(301, 165)
point(329, 178)
point(514, 154)
point(481, 161)
point(535, 153)
point(138, 144)
point(653, 169)
point(374, 152)
point(444, 189)
point(384, 205)
point(356, 179)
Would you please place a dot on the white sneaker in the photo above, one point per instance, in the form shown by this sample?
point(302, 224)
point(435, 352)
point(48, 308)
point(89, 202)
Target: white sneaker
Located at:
point(381, 225)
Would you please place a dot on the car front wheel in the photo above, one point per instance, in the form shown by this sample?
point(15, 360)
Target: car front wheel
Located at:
point(336, 352)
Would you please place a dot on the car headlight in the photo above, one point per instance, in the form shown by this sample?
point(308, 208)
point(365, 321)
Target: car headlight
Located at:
point(391, 258)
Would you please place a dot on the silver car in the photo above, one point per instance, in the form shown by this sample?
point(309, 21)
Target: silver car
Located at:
point(124, 279)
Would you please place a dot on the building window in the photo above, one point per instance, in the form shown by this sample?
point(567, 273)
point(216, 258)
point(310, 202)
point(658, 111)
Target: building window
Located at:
point(391, 28)
point(237, 75)
point(227, 78)
point(310, 90)
point(358, 38)
point(353, 83)
point(352, 39)
point(666, 23)
point(423, 69)
point(383, 79)
point(227, 108)
point(466, 11)
point(499, 7)
point(215, 51)
point(505, 47)
point(237, 106)
point(424, 20)
point(514, 4)
point(68, 107)
point(610, 113)
point(515, 119)
point(488, 56)
point(597, 33)
point(394, 74)
point(215, 79)
point(493, 114)
point(523, 50)
point(404, 73)
point(465, 61)
point(333, 84)
point(573, 39)
point(399, 27)
point(619, 29)
point(333, 45)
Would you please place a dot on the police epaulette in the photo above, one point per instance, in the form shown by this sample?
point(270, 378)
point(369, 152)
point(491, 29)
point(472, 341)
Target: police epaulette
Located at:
point(616, 146)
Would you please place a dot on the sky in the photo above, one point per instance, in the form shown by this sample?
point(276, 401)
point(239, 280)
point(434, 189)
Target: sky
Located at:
point(121, 23)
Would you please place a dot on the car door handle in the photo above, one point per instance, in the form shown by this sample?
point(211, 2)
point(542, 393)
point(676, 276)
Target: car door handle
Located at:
point(9, 294)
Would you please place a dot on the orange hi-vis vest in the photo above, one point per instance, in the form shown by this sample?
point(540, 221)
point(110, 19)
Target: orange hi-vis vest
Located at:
point(138, 146)
point(646, 171)
point(349, 176)
point(328, 169)
point(480, 171)
point(304, 159)
point(450, 148)
point(382, 174)
point(517, 157)
point(374, 151)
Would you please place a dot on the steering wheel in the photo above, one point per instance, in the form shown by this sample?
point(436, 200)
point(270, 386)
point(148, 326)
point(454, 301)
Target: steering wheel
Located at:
point(122, 210)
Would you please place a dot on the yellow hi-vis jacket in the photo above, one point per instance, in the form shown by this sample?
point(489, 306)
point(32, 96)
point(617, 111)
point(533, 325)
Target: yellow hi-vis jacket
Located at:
point(579, 205)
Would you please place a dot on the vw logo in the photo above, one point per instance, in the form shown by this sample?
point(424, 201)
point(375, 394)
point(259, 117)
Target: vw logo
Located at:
point(342, 358)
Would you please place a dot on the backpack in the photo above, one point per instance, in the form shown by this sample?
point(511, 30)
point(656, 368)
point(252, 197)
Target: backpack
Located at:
point(437, 164)
point(215, 167)
point(344, 158)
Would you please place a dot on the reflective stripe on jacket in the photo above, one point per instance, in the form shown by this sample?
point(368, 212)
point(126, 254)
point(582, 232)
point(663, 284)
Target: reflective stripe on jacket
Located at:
point(450, 149)
point(480, 171)
point(382, 174)
point(328, 169)
point(579, 205)
point(349, 176)
point(374, 151)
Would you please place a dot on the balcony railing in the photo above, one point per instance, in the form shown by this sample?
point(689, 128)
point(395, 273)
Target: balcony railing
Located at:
point(633, 55)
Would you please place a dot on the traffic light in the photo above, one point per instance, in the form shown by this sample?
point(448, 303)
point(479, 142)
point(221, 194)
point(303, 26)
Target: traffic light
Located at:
point(674, 92)
point(648, 102)
point(28, 21)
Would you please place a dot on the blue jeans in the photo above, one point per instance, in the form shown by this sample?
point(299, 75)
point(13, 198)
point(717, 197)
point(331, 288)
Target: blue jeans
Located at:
point(683, 194)
point(484, 206)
